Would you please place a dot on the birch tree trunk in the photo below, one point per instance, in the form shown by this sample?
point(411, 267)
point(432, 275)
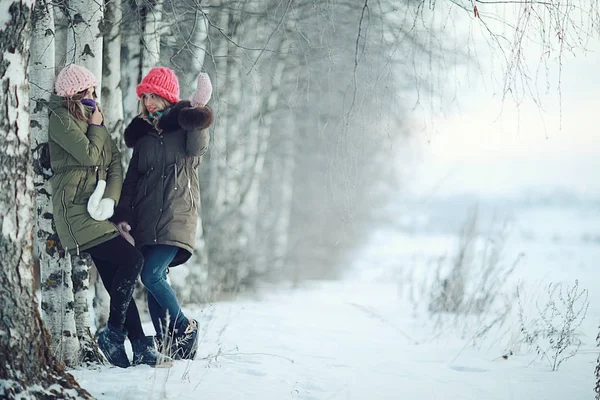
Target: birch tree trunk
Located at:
point(195, 289)
point(197, 48)
point(151, 35)
point(258, 144)
point(275, 195)
point(84, 47)
point(28, 368)
point(282, 150)
point(101, 301)
point(214, 186)
point(90, 353)
point(84, 41)
point(61, 25)
point(111, 77)
point(112, 103)
point(131, 60)
point(55, 272)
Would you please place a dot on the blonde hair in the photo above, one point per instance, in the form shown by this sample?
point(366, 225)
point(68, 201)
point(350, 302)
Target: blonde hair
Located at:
point(161, 102)
point(73, 104)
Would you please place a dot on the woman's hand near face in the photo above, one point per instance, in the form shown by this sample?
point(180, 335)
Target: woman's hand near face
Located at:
point(96, 118)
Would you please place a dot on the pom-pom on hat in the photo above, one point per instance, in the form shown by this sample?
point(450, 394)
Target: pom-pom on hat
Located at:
point(73, 79)
point(162, 82)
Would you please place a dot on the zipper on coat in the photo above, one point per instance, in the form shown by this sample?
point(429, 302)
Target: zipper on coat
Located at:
point(190, 190)
point(67, 221)
point(175, 179)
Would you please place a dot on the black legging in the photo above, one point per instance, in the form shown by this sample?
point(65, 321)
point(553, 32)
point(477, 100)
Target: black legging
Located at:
point(119, 265)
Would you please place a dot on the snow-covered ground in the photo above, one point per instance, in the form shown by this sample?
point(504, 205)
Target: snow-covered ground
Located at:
point(364, 338)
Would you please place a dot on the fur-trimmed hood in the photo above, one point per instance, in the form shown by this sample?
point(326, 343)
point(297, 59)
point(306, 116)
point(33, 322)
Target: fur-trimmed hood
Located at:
point(180, 116)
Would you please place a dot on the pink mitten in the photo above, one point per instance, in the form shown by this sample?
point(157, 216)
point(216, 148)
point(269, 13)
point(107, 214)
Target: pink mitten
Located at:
point(203, 91)
point(124, 229)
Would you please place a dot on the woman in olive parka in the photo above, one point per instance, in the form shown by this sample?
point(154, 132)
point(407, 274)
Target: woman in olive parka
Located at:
point(160, 197)
point(86, 187)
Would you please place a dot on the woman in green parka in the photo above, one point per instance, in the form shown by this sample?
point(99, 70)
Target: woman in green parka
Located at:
point(86, 187)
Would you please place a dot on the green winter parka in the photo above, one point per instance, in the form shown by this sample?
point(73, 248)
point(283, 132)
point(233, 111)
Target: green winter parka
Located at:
point(80, 155)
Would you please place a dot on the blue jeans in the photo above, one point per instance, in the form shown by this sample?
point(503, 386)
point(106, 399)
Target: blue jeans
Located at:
point(163, 305)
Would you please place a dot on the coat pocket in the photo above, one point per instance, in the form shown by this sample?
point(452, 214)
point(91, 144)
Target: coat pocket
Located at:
point(80, 192)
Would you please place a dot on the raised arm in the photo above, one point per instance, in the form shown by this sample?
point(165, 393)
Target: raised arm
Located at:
point(85, 147)
point(196, 122)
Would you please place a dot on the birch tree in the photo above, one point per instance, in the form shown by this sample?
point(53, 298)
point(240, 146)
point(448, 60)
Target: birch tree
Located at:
point(112, 103)
point(31, 370)
point(276, 189)
point(84, 47)
point(131, 59)
point(196, 50)
point(112, 95)
point(61, 29)
point(221, 238)
point(90, 353)
point(55, 269)
point(309, 57)
point(183, 48)
point(151, 14)
point(84, 39)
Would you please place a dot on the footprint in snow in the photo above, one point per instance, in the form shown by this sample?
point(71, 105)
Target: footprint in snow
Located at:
point(462, 368)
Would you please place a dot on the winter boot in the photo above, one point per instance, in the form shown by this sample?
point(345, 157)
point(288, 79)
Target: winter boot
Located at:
point(111, 341)
point(185, 344)
point(145, 353)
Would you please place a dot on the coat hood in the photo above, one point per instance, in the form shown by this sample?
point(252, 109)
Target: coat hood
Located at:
point(55, 102)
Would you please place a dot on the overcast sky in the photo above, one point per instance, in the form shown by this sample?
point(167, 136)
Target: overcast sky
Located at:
point(489, 147)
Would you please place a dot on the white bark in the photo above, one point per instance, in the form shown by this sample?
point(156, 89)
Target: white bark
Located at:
point(81, 281)
point(220, 236)
point(28, 369)
point(131, 66)
point(275, 196)
point(151, 36)
point(61, 29)
point(101, 302)
point(197, 48)
point(55, 269)
point(218, 165)
point(195, 289)
point(84, 47)
point(112, 96)
point(84, 41)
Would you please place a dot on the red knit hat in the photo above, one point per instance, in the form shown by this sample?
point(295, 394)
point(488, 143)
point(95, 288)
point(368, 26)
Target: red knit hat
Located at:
point(160, 81)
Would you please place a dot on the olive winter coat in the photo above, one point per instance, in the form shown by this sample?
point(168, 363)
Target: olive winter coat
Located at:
point(161, 190)
point(80, 155)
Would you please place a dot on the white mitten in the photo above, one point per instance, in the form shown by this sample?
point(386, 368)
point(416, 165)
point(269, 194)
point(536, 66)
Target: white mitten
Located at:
point(106, 209)
point(94, 201)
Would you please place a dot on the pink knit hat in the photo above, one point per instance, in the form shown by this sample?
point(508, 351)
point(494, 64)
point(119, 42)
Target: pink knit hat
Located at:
point(203, 91)
point(160, 81)
point(72, 79)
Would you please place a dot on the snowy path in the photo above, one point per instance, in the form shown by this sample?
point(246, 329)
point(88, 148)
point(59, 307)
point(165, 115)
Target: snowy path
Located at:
point(337, 340)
